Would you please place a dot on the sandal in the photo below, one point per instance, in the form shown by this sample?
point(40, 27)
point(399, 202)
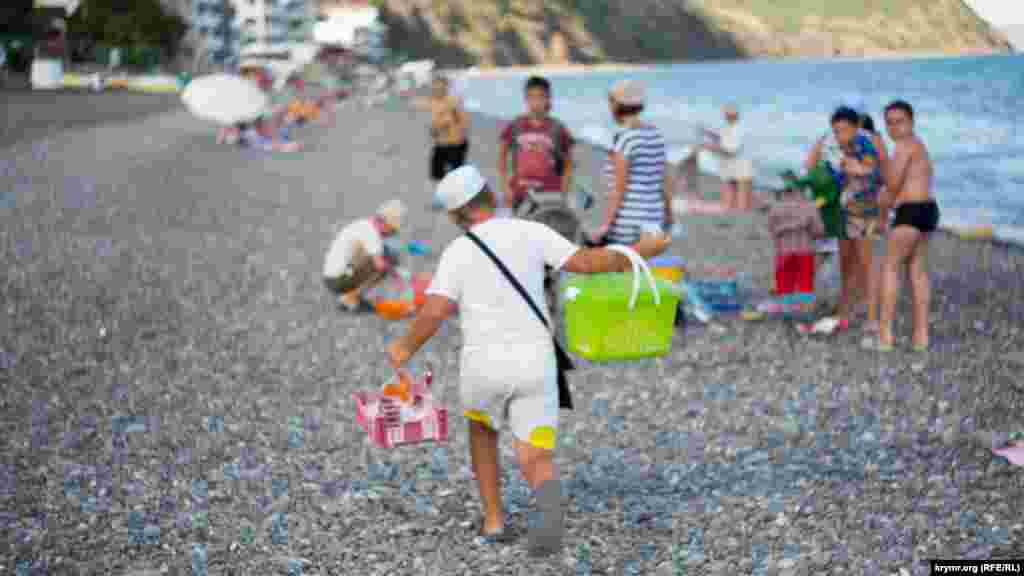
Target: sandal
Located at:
point(876, 345)
point(828, 326)
point(871, 327)
point(919, 347)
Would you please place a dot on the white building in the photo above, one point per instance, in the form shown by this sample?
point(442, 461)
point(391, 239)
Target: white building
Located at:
point(269, 25)
point(258, 26)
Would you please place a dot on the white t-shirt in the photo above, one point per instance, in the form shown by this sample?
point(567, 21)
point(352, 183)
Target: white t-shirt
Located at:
point(492, 311)
point(359, 233)
point(734, 167)
point(731, 138)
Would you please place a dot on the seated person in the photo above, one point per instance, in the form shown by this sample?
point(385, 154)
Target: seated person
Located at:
point(357, 259)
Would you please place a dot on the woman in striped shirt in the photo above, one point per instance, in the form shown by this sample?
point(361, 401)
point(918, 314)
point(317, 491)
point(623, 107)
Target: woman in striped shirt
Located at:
point(640, 184)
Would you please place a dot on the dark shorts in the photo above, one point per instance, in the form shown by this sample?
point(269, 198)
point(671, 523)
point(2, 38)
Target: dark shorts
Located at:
point(444, 159)
point(921, 215)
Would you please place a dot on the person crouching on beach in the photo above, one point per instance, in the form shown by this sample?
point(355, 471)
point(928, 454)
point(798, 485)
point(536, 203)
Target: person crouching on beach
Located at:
point(358, 260)
point(909, 190)
point(795, 224)
point(508, 369)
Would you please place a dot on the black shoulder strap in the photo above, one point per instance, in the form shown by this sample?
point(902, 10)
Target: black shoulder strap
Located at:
point(508, 275)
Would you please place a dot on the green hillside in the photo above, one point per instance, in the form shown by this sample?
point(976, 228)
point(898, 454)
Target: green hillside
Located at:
point(511, 32)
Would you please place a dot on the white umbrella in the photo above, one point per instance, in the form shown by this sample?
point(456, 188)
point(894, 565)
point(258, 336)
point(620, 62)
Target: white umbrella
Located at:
point(225, 99)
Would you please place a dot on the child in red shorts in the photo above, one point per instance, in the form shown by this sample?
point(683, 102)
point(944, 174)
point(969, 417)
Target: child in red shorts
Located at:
point(795, 223)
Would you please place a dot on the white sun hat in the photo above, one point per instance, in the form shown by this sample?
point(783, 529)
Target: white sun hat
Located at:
point(459, 187)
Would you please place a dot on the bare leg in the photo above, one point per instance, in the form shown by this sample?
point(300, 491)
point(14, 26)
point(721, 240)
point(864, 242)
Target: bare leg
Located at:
point(920, 290)
point(483, 447)
point(744, 200)
point(847, 258)
point(689, 172)
point(900, 245)
point(867, 281)
point(728, 195)
point(537, 464)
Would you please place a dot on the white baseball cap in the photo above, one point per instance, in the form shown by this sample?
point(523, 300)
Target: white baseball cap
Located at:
point(459, 187)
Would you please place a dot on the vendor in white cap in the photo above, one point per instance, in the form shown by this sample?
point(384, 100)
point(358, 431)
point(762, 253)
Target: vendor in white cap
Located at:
point(358, 260)
point(508, 368)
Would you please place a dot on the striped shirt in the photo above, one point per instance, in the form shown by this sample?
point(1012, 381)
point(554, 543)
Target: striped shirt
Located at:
point(644, 200)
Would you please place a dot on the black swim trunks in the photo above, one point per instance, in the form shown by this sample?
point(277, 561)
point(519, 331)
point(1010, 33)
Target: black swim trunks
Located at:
point(444, 159)
point(921, 215)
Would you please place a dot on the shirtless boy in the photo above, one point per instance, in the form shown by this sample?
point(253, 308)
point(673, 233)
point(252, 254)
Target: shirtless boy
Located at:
point(449, 128)
point(908, 190)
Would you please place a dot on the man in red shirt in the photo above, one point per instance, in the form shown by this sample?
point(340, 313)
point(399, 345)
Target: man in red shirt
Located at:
point(539, 148)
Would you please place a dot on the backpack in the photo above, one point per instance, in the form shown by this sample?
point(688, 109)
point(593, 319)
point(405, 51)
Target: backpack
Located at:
point(556, 137)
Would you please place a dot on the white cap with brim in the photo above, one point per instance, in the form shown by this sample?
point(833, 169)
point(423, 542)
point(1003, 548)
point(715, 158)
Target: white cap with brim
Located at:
point(459, 187)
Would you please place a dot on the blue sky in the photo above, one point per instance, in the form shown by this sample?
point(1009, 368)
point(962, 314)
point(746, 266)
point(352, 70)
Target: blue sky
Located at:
point(1000, 12)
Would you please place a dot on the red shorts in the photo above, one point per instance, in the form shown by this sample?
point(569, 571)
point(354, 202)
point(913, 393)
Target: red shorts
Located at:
point(794, 273)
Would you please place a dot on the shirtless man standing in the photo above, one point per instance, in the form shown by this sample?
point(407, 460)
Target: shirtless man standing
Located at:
point(908, 190)
point(449, 128)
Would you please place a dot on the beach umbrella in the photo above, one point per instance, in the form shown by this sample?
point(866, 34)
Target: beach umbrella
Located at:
point(225, 99)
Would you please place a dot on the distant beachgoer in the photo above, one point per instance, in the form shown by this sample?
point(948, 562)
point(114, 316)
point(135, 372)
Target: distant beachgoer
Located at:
point(909, 184)
point(640, 184)
point(358, 259)
point(449, 132)
point(539, 148)
point(855, 163)
point(736, 171)
point(795, 224)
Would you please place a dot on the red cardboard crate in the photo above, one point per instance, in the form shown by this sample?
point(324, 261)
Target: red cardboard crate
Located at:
point(389, 423)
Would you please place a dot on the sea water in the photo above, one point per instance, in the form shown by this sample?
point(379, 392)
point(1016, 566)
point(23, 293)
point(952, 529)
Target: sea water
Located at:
point(967, 111)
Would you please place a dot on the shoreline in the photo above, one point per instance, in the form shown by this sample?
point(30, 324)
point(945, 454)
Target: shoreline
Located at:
point(709, 185)
point(572, 68)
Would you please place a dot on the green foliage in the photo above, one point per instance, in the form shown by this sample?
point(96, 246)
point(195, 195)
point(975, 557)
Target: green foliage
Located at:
point(148, 23)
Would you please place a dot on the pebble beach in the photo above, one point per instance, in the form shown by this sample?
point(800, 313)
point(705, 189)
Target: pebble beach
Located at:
point(178, 387)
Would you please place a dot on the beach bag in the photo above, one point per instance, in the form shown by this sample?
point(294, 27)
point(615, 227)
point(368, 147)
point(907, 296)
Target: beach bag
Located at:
point(535, 162)
point(563, 361)
point(609, 317)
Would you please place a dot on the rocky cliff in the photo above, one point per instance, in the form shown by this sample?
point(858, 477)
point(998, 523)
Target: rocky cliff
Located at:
point(512, 32)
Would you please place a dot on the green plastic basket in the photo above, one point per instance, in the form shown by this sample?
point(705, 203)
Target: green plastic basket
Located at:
point(610, 317)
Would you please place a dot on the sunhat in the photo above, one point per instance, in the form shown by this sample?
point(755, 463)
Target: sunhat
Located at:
point(459, 187)
point(629, 93)
point(391, 213)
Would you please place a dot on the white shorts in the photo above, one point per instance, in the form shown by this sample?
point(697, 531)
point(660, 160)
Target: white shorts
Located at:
point(513, 384)
point(739, 169)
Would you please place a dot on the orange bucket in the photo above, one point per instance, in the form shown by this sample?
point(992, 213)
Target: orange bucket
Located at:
point(394, 309)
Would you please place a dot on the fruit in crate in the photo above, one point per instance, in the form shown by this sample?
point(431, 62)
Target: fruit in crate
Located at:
point(394, 309)
point(401, 390)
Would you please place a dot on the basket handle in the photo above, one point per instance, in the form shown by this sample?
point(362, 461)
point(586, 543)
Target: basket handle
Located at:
point(638, 266)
